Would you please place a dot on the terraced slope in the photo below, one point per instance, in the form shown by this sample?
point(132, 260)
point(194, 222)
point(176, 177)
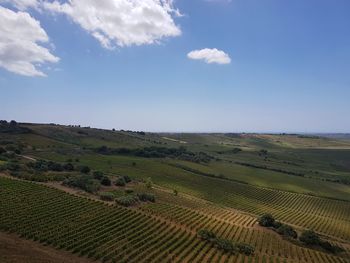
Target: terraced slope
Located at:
point(159, 232)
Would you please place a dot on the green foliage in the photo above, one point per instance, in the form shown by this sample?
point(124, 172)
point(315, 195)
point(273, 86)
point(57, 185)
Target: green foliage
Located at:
point(85, 182)
point(144, 197)
point(98, 175)
point(224, 244)
point(245, 249)
point(120, 181)
point(127, 200)
point(43, 166)
point(158, 152)
point(206, 234)
point(127, 179)
point(106, 196)
point(129, 191)
point(266, 220)
point(287, 231)
point(149, 183)
point(309, 237)
point(105, 181)
point(84, 169)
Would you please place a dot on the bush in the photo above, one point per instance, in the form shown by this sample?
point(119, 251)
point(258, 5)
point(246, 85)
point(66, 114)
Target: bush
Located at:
point(128, 200)
point(144, 197)
point(225, 245)
point(106, 196)
point(287, 231)
point(85, 182)
point(98, 175)
point(277, 224)
point(129, 191)
point(2, 150)
point(206, 234)
point(245, 249)
point(68, 167)
point(266, 220)
point(309, 237)
point(149, 183)
point(127, 179)
point(120, 181)
point(105, 181)
point(85, 169)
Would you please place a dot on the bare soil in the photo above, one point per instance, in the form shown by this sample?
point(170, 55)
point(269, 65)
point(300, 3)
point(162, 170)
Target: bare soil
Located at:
point(14, 249)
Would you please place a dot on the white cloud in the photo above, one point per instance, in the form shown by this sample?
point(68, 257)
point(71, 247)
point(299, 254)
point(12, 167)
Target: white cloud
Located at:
point(22, 4)
point(19, 49)
point(121, 22)
point(210, 56)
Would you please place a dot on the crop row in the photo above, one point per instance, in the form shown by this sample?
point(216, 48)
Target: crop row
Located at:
point(159, 233)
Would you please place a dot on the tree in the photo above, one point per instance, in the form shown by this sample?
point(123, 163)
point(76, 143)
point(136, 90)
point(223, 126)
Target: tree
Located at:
point(120, 181)
point(68, 167)
point(245, 249)
point(127, 179)
point(149, 183)
point(309, 237)
point(266, 220)
point(2, 150)
point(287, 231)
point(144, 197)
point(225, 245)
point(105, 181)
point(206, 234)
point(98, 175)
point(106, 196)
point(85, 169)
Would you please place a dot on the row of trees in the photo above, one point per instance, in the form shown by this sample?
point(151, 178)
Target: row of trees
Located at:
point(132, 199)
point(224, 244)
point(158, 152)
point(307, 237)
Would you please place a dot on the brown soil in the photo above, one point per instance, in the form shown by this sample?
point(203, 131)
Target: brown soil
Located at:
point(14, 249)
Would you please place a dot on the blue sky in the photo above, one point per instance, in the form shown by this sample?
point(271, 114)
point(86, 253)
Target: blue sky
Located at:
point(289, 71)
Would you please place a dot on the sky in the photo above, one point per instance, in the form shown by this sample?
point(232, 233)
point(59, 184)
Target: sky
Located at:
point(177, 66)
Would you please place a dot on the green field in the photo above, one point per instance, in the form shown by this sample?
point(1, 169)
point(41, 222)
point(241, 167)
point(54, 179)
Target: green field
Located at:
point(223, 182)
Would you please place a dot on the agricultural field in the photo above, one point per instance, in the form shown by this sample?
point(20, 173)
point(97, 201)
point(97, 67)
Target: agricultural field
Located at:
point(125, 196)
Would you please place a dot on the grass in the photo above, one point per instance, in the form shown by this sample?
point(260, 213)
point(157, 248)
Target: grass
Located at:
point(260, 191)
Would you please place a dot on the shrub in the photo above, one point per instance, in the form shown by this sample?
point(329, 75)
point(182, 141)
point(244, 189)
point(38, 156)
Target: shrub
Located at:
point(120, 181)
point(206, 234)
point(266, 220)
point(128, 200)
point(129, 191)
point(85, 182)
point(2, 150)
point(225, 245)
point(98, 175)
point(106, 196)
point(277, 224)
point(105, 181)
point(245, 249)
point(68, 167)
point(149, 183)
point(288, 231)
point(144, 197)
point(85, 169)
point(127, 179)
point(309, 237)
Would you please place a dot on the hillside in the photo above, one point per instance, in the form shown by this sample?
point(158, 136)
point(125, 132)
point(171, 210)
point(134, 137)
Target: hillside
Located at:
point(219, 182)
